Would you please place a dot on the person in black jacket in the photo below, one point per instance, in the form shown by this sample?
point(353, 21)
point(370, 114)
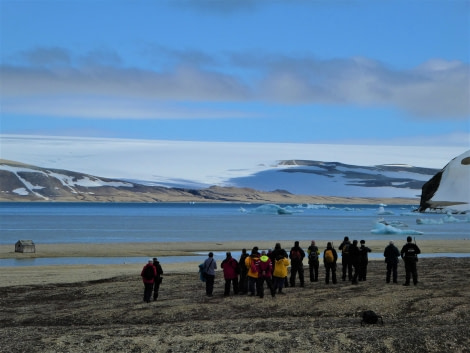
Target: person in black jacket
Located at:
point(243, 282)
point(391, 254)
point(296, 256)
point(345, 258)
point(313, 262)
point(364, 260)
point(158, 278)
point(330, 266)
point(409, 253)
point(354, 258)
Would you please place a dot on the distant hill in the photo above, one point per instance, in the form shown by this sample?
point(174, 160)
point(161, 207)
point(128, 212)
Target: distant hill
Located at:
point(22, 182)
point(307, 177)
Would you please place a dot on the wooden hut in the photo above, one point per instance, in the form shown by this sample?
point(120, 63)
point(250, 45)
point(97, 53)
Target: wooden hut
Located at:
point(25, 246)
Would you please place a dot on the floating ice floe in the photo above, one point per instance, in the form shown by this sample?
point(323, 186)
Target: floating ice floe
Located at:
point(448, 218)
point(381, 228)
point(273, 209)
point(392, 223)
point(381, 211)
point(313, 206)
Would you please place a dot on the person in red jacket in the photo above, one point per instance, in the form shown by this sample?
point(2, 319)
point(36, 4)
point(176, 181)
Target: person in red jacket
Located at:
point(265, 272)
point(231, 269)
point(148, 277)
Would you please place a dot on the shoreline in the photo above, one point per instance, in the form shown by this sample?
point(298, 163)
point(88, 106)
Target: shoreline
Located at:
point(50, 274)
point(162, 249)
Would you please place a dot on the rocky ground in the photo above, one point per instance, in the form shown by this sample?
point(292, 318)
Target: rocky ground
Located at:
point(108, 315)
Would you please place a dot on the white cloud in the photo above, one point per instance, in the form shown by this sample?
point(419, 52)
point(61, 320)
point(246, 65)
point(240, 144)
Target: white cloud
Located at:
point(96, 85)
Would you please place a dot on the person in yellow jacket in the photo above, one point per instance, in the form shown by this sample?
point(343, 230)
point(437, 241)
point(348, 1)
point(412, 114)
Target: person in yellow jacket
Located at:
point(251, 263)
point(280, 272)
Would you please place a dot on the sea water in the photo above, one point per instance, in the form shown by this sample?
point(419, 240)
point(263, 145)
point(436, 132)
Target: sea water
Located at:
point(193, 222)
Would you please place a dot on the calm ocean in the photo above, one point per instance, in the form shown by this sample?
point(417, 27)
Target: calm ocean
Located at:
point(167, 222)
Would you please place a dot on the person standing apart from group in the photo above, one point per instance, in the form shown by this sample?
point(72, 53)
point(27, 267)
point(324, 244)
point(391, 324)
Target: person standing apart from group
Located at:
point(296, 256)
point(209, 268)
point(345, 258)
point(330, 257)
point(409, 254)
point(148, 274)
point(313, 262)
point(230, 269)
point(158, 278)
point(391, 254)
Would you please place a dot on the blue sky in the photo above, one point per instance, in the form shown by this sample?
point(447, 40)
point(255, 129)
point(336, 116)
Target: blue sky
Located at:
point(357, 72)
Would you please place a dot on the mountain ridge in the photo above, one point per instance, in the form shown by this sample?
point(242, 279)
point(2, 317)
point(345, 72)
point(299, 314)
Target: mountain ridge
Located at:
point(25, 182)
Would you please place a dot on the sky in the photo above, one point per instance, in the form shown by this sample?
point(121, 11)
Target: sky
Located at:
point(299, 71)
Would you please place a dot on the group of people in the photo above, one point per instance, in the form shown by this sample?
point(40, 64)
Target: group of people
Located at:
point(152, 277)
point(252, 271)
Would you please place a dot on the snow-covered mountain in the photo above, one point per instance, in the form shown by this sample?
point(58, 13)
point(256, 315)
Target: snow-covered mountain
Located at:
point(84, 165)
point(337, 179)
point(19, 181)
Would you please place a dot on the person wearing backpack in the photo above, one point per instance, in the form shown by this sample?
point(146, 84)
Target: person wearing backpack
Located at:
point(313, 262)
point(230, 268)
point(251, 263)
point(364, 260)
point(296, 256)
point(409, 253)
point(346, 259)
point(148, 277)
point(330, 257)
point(158, 278)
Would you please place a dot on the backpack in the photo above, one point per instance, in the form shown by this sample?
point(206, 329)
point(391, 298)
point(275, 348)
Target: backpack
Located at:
point(370, 317)
point(148, 273)
point(313, 256)
point(329, 257)
point(345, 249)
point(253, 267)
point(295, 255)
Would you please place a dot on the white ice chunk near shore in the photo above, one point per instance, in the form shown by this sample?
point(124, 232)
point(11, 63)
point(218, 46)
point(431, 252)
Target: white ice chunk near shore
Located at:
point(381, 228)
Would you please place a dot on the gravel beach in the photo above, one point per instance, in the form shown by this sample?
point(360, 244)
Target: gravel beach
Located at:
point(100, 309)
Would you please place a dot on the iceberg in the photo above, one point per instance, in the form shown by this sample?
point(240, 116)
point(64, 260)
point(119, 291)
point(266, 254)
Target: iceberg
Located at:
point(381, 211)
point(381, 228)
point(448, 218)
point(273, 209)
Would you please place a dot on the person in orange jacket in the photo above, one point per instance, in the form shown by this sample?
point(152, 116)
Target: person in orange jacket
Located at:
point(251, 263)
point(280, 272)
